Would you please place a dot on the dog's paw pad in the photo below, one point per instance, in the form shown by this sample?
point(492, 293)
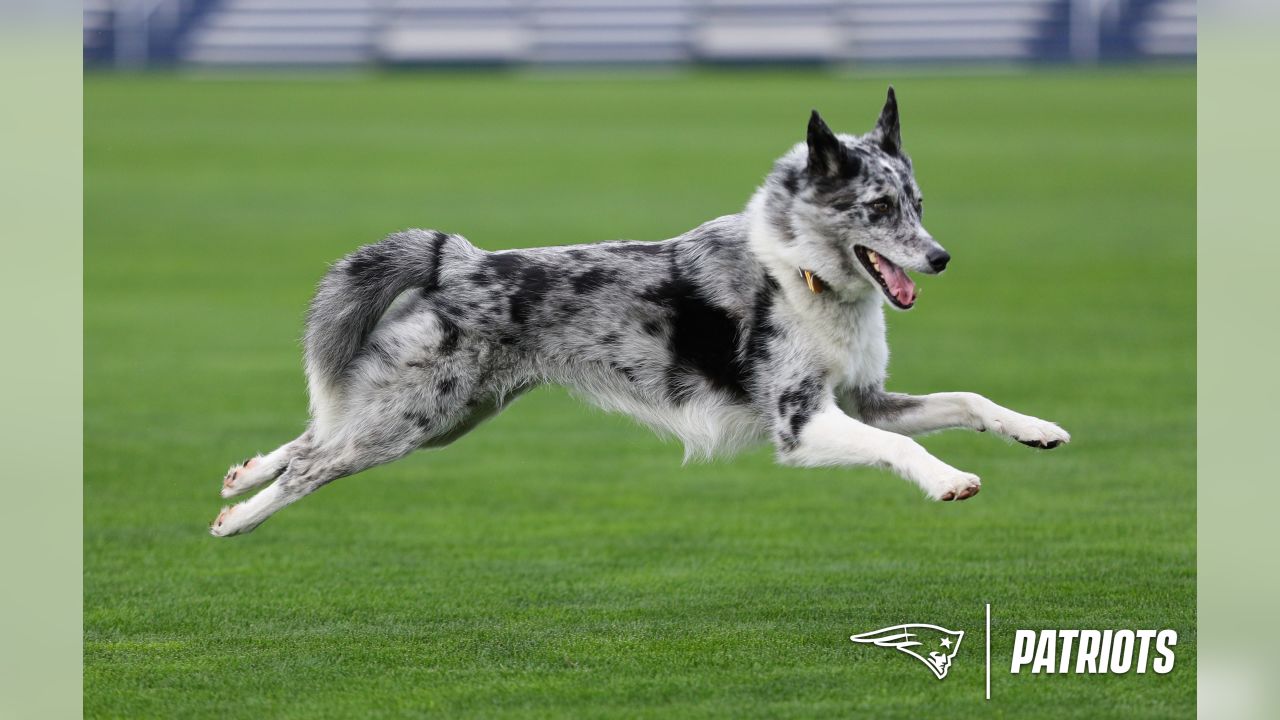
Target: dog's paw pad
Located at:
point(1047, 437)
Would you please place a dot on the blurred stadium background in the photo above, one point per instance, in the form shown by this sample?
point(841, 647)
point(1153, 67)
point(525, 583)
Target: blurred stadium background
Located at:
point(237, 33)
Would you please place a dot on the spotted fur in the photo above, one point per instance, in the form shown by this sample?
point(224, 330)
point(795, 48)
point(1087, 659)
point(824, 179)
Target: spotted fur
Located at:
point(713, 337)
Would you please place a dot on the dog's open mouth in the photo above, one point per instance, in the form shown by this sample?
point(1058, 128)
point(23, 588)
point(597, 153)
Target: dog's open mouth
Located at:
point(893, 280)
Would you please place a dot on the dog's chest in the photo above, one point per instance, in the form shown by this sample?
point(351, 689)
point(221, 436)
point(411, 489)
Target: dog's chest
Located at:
point(850, 344)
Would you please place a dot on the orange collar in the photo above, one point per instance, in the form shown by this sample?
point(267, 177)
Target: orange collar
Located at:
point(813, 281)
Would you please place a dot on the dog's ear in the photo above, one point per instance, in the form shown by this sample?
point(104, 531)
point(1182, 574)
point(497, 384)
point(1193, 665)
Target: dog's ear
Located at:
point(827, 155)
point(888, 133)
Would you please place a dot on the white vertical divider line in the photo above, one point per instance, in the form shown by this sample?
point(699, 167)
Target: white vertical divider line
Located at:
point(988, 651)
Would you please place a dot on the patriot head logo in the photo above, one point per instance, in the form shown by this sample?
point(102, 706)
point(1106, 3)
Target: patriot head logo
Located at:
point(930, 644)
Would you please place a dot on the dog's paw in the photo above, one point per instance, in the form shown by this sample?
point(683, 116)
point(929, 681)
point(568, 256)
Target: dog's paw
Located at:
point(233, 520)
point(238, 478)
point(222, 525)
point(956, 485)
point(1032, 432)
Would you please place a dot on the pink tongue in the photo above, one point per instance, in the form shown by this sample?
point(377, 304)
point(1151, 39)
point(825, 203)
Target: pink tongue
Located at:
point(900, 286)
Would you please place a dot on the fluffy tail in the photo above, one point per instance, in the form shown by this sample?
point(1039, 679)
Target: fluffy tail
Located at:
point(356, 292)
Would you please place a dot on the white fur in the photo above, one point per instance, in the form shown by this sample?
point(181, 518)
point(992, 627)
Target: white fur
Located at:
point(245, 516)
point(834, 438)
point(707, 426)
point(941, 411)
point(850, 335)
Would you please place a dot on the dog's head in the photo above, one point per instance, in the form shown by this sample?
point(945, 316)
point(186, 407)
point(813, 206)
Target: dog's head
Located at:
point(848, 209)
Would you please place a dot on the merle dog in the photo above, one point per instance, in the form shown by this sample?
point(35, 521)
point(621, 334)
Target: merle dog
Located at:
point(764, 325)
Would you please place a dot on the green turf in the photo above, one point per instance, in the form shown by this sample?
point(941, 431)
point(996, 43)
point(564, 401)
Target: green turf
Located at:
point(560, 561)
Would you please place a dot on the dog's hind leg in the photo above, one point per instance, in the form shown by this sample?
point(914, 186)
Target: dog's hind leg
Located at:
point(262, 469)
point(364, 439)
point(306, 473)
point(291, 486)
point(383, 428)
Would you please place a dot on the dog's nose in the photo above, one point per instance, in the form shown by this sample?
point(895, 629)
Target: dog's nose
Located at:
point(938, 259)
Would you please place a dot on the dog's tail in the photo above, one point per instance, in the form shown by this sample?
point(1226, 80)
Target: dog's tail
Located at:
point(356, 292)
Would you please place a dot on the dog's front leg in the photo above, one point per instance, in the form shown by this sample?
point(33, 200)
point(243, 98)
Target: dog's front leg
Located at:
point(920, 414)
point(830, 437)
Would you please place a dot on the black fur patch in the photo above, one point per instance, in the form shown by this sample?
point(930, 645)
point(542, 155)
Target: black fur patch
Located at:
point(529, 293)
point(796, 407)
point(363, 262)
point(592, 279)
point(828, 157)
point(876, 404)
point(422, 420)
point(367, 266)
point(703, 341)
point(505, 265)
point(634, 248)
point(791, 180)
point(437, 252)
point(448, 310)
point(450, 333)
point(530, 287)
point(762, 327)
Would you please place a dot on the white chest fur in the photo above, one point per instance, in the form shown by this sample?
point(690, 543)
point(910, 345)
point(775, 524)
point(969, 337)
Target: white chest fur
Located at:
point(847, 338)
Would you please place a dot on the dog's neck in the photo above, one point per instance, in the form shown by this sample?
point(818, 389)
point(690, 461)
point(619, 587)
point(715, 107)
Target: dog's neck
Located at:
point(779, 241)
point(834, 322)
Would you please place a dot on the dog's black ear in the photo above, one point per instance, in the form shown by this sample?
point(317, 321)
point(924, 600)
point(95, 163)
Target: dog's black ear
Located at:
point(888, 132)
point(827, 155)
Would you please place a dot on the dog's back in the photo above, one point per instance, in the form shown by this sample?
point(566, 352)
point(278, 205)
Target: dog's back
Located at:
point(659, 329)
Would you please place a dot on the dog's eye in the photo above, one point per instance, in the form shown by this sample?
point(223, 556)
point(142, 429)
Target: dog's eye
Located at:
point(882, 206)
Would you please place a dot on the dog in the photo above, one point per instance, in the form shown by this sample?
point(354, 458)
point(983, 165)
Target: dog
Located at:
point(766, 325)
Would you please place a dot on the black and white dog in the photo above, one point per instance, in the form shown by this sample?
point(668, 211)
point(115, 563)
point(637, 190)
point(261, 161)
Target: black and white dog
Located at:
point(765, 325)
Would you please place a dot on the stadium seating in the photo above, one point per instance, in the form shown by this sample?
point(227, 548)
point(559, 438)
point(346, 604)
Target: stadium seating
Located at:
point(238, 33)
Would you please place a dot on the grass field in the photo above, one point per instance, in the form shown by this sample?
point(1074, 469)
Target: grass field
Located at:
point(560, 561)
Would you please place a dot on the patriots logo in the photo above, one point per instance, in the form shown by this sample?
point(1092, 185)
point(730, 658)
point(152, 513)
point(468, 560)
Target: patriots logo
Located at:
point(930, 644)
